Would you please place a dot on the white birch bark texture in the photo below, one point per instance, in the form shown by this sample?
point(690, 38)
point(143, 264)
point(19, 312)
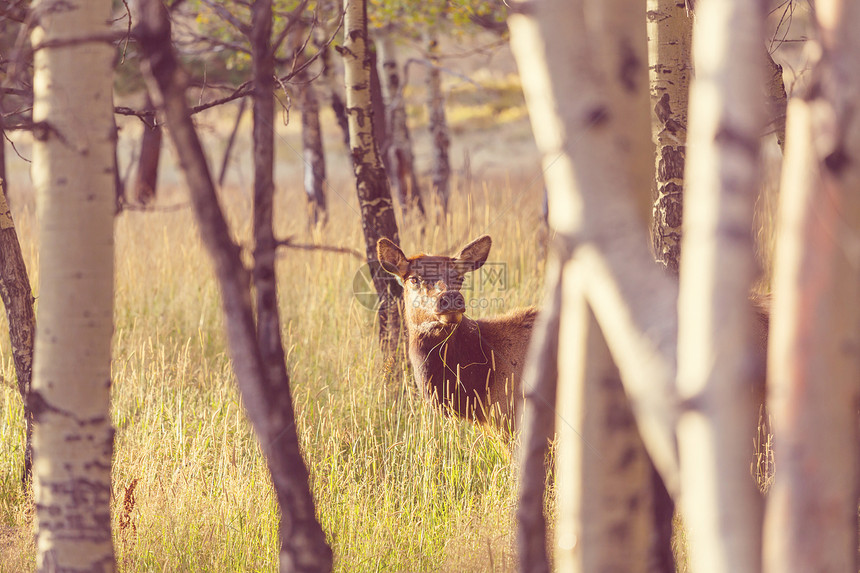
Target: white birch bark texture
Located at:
point(624, 50)
point(593, 208)
point(604, 475)
point(669, 59)
point(73, 172)
point(356, 67)
point(813, 370)
point(629, 508)
point(371, 181)
point(721, 505)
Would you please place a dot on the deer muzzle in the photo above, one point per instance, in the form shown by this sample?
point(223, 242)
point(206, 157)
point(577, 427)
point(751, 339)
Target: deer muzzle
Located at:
point(450, 306)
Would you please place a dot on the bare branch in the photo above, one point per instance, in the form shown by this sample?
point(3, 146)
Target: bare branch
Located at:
point(289, 243)
point(228, 17)
point(292, 17)
point(312, 59)
point(107, 37)
point(431, 65)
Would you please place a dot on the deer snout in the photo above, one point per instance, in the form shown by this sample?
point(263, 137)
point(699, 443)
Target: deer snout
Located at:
point(450, 306)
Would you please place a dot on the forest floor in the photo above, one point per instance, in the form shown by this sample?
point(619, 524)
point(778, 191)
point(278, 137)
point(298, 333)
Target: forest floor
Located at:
point(398, 486)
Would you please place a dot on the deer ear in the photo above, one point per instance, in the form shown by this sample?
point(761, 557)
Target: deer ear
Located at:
point(391, 257)
point(474, 255)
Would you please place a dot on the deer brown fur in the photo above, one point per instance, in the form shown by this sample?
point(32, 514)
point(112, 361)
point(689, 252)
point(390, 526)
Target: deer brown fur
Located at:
point(472, 368)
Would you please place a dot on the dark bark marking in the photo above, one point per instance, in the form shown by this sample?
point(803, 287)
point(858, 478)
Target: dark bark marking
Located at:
point(628, 70)
point(663, 108)
point(671, 164)
point(597, 116)
point(837, 161)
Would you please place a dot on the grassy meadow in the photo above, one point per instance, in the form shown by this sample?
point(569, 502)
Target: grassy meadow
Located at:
point(398, 486)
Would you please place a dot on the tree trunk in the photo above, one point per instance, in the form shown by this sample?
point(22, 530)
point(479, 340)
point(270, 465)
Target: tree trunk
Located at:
point(813, 366)
point(380, 124)
point(592, 211)
point(73, 173)
point(624, 47)
point(312, 147)
point(593, 208)
point(312, 142)
point(146, 184)
point(257, 361)
point(299, 548)
point(777, 99)
point(722, 507)
point(401, 159)
point(540, 379)
point(438, 125)
point(669, 34)
point(330, 81)
point(18, 299)
point(604, 474)
point(374, 193)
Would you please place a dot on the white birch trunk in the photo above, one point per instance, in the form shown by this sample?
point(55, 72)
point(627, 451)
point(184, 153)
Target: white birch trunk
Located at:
point(604, 474)
point(578, 114)
point(716, 348)
point(371, 181)
point(73, 172)
point(631, 501)
point(591, 202)
point(624, 50)
point(813, 364)
point(669, 57)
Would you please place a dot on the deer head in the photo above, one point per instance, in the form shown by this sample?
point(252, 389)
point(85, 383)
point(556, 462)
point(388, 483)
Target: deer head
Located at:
point(431, 283)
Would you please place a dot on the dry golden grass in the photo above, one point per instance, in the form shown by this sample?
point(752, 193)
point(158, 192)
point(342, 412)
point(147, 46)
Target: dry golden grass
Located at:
point(398, 486)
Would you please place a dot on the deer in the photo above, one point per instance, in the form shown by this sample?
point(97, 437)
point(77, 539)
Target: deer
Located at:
point(470, 368)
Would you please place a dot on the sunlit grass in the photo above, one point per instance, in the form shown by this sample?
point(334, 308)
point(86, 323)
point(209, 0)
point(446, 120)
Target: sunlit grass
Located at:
point(399, 487)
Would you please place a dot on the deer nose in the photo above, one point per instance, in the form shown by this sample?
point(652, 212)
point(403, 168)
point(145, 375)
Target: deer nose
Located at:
point(450, 302)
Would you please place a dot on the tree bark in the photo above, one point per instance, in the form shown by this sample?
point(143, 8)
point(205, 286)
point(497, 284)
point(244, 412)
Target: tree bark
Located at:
point(721, 505)
point(540, 377)
point(146, 183)
point(312, 151)
point(624, 47)
point(374, 193)
point(593, 213)
point(669, 34)
point(259, 365)
point(438, 125)
point(17, 296)
point(73, 173)
point(813, 366)
point(380, 123)
point(604, 474)
point(330, 82)
point(777, 99)
point(312, 142)
point(401, 158)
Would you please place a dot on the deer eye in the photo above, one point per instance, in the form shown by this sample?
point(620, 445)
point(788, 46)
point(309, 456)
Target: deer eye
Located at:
point(415, 281)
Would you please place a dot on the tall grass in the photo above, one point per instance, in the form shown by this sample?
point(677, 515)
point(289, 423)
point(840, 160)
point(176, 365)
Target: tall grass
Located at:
point(398, 486)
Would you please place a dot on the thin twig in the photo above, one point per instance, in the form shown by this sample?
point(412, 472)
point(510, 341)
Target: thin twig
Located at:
point(288, 243)
point(293, 16)
point(156, 209)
